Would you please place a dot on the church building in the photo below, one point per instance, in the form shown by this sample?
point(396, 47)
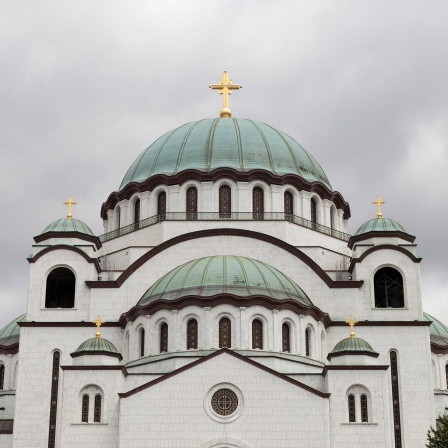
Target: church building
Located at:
point(224, 306)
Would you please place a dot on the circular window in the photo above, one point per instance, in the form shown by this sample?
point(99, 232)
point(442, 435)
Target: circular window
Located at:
point(224, 402)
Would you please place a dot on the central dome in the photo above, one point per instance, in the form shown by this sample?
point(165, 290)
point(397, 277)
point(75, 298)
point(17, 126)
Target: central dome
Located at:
point(237, 143)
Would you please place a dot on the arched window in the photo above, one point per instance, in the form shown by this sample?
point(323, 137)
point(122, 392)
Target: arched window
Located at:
point(142, 342)
point(97, 409)
point(258, 203)
point(313, 204)
point(286, 340)
point(395, 398)
point(446, 375)
point(225, 201)
point(225, 333)
point(364, 411)
point(164, 338)
point(60, 292)
point(192, 203)
point(2, 376)
point(388, 285)
point(136, 213)
point(85, 409)
point(192, 334)
point(257, 334)
point(351, 409)
point(332, 218)
point(161, 206)
point(54, 400)
point(288, 205)
point(308, 342)
point(118, 217)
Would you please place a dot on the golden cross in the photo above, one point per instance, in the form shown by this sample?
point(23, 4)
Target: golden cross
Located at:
point(225, 88)
point(351, 321)
point(379, 202)
point(70, 203)
point(98, 323)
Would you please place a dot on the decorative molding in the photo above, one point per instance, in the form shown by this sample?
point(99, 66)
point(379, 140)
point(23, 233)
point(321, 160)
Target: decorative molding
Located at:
point(225, 232)
point(383, 323)
point(376, 234)
point(95, 367)
point(96, 352)
point(80, 236)
point(228, 173)
point(9, 349)
point(436, 348)
point(354, 367)
point(213, 355)
point(65, 324)
point(65, 247)
point(352, 353)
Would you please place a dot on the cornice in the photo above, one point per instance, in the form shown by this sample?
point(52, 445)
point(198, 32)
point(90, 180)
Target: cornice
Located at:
point(363, 367)
point(376, 234)
point(353, 353)
point(436, 348)
point(228, 173)
point(225, 232)
point(384, 323)
point(95, 367)
point(9, 349)
point(65, 324)
point(81, 236)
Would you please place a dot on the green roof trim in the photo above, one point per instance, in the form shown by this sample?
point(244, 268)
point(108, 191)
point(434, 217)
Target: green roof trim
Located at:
point(97, 346)
point(9, 335)
point(68, 225)
point(221, 274)
point(237, 143)
point(352, 346)
point(438, 330)
point(381, 225)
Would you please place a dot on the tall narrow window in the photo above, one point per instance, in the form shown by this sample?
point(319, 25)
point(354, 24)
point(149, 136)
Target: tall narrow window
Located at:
point(97, 409)
point(286, 340)
point(388, 285)
point(164, 338)
point(118, 217)
point(142, 342)
point(395, 398)
point(446, 375)
point(332, 219)
point(258, 203)
point(308, 342)
point(54, 400)
point(225, 333)
point(2, 376)
point(85, 409)
point(136, 213)
point(364, 411)
point(351, 409)
point(313, 210)
point(161, 206)
point(257, 334)
point(288, 205)
point(60, 292)
point(192, 203)
point(192, 334)
point(225, 201)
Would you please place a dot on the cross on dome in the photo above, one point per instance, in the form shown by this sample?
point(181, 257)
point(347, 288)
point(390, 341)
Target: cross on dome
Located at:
point(225, 88)
point(98, 323)
point(379, 202)
point(351, 322)
point(69, 203)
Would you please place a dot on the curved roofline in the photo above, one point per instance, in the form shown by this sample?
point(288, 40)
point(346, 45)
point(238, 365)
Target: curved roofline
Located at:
point(379, 234)
point(272, 179)
point(79, 235)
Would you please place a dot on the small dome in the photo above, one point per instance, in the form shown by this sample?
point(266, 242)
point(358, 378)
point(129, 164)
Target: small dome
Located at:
point(68, 225)
point(381, 225)
point(237, 143)
point(437, 330)
point(97, 346)
point(353, 346)
point(10, 334)
point(222, 274)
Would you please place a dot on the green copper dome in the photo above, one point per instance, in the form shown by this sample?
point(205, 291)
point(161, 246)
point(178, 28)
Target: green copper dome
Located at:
point(10, 334)
point(355, 346)
point(437, 330)
point(237, 143)
point(98, 346)
point(68, 225)
point(222, 274)
point(381, 225)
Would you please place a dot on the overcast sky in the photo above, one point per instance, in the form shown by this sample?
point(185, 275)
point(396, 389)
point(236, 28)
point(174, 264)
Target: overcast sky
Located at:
point(85, 86)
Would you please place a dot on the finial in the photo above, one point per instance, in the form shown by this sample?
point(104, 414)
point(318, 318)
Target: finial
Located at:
point(225, 88)
point(351, 321)
point(69, 203)
point(379, 202)
point(98, 323)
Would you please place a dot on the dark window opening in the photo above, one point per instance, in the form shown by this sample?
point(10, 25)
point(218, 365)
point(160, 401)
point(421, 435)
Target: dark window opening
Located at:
point(258, 203)
point(192, 334)
point(388, 285)
point(60, 292)
point(225, 333)
point(257, 334)
point(351, 409)
point(136, 213)
point(364, 412)
point(286, 343)
point(308, 342)
point(164, 338)
point(313, 211)
point(54, 400)
point(395, 398)
point(288, 206)
point(85, 409)
point(2, 376)
point(97, 409)
point(225, 201)
point(142, 342)
point(161, 206)
point(192, 203)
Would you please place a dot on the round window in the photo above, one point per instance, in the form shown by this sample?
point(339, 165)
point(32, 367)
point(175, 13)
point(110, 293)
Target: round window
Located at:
point(224, 402)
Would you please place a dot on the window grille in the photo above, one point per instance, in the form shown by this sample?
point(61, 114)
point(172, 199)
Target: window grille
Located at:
point(257, 334)
point(192, 334)
point(142, 342)
point(225, 201)
point(395, 398)
point(85, 409)
point(388, 286)
point(225, 333)
point(60, 289)
point(364, 411)
point(313, 211)
point(54, 400)
point(164, 338)
point(137, 211)
point(351, 409)
point(192, 203)
point(2, 376)
point(161, 206)
point(288, 205)
point(286, 344)
point(258, 203)
point(97, 409)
